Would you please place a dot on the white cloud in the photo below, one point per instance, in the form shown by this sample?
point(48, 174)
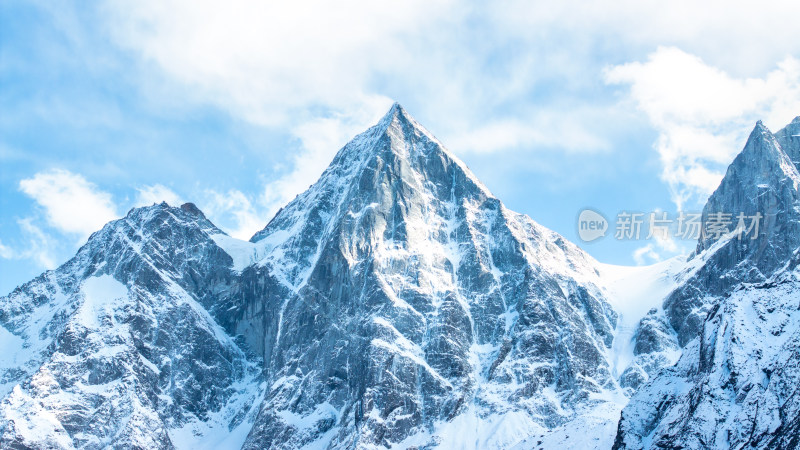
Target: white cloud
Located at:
point(703, 115)
point(646, 255)
point(486, 77)
point(294, 64)
point(39, 247)
point(759, 35)
point(572, 132)
point(36, 245)
point(157, 193)
point(267, 60)
point(270, 61)
point(71, 203)
point(234, 213)
point(5, 252)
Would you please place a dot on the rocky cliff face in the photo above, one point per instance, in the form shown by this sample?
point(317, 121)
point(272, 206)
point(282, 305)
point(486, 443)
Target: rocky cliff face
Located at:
point(735, 317)
point(789, 140)
point(735, 385)
point(761, 180)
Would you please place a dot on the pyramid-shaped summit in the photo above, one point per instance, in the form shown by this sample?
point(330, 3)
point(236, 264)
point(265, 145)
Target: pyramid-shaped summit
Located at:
point(407, 295)
point(391, 179)
point(396, 149)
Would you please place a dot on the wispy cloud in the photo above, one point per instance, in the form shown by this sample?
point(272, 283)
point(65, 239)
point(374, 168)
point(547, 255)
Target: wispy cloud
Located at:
point(703, 114)
point(157, 193)
point(39, 246)
point(35, 245)
point(5, 252)
point(543, 131)
point(265, 61)
point(501, 87)
point(233, 212)
point(645, 255)
point(71, 204)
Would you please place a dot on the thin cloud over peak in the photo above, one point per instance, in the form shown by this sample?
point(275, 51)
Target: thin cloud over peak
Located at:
point(157, 193)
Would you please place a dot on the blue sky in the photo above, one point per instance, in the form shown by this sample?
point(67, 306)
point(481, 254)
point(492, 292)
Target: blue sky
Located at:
point(238, 106)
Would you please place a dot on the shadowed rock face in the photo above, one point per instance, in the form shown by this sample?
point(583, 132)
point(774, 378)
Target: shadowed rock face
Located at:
point(393, 296)
point(735, 383)
point(655, 347)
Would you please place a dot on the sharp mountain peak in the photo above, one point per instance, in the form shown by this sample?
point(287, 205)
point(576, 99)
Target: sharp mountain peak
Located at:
point(390, 158)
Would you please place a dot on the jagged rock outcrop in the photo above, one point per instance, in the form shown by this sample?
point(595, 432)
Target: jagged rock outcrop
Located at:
point(789, 140)
point(655, 347)
point(735, 385)
point(762, 180)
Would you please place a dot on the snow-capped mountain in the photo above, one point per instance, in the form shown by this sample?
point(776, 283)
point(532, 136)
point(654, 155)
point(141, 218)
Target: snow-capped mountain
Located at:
point(736, 317)
point(761, 180)
point(119, 347)
point(398, 304)
point(410, 298)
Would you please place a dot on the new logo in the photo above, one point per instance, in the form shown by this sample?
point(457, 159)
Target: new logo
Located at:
point(591, 225)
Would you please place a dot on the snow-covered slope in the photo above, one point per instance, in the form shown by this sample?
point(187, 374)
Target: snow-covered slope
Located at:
point(643, 341)
point(736, 385)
